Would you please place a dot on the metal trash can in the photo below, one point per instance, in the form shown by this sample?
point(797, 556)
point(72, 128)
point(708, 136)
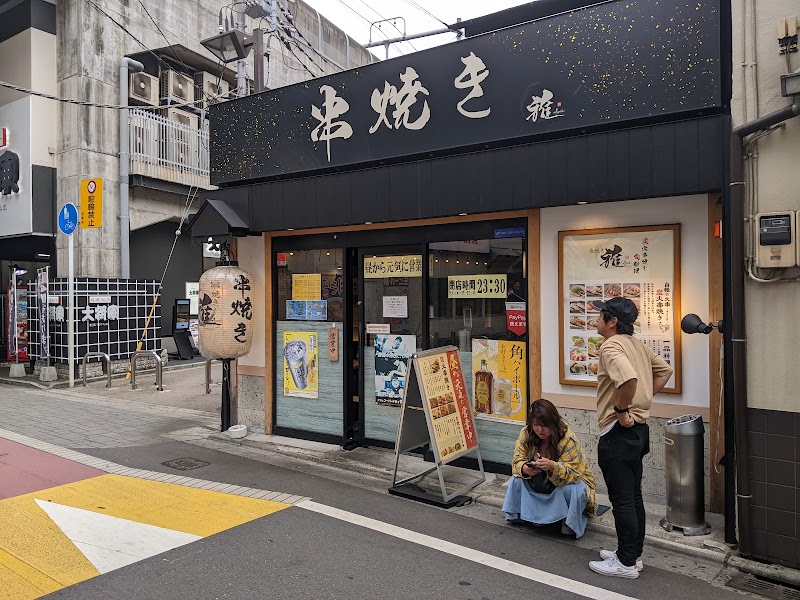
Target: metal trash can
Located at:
point(683, 437)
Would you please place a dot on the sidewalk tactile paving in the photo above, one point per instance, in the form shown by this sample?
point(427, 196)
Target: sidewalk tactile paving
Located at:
point(116, 469)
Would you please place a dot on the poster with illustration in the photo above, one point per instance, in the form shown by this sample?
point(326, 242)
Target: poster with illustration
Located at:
point(300, 364)
point(500, 381)
point(392, 354)
point(638, 263)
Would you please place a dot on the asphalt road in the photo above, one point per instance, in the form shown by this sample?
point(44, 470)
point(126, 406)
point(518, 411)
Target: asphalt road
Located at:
point(407, 549)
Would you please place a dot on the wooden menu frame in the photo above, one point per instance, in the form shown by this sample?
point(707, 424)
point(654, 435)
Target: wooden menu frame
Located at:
point(565, 237)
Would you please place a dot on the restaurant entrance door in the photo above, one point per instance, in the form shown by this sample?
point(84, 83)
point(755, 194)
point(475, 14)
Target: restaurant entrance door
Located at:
point(392, 327)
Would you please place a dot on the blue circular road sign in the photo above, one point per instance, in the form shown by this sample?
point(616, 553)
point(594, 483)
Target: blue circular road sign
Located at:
point(67, 218)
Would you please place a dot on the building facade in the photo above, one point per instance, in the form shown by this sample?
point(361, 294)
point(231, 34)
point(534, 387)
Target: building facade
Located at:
point(74, 50)
point(764, 49)
point(468, 196)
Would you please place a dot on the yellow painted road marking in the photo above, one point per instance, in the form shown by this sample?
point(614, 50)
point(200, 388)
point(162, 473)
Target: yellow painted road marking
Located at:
point(36, 557)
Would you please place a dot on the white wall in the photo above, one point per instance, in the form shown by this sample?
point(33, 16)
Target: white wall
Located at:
point(16, 209)
point(770, 308)
point(250, 253)
point(692, 213)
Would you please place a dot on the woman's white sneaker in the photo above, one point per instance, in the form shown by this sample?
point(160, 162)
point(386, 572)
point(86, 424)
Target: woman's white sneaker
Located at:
point(613, 568)
point(606, 554)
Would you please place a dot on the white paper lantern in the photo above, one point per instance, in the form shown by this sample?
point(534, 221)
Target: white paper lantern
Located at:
point(225, 319)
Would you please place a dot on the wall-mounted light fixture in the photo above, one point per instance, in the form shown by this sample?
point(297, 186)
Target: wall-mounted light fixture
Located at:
point(691, 323)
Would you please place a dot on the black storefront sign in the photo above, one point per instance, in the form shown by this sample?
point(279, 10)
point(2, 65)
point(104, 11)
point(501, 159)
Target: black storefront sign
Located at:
point(605, 64)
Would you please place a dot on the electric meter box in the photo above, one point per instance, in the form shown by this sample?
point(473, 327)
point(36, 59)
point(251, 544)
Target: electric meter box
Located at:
point(776, 246)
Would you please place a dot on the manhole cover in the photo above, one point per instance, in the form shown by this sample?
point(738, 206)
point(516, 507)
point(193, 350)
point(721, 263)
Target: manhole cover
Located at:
point(767, 589)
point(185, 464)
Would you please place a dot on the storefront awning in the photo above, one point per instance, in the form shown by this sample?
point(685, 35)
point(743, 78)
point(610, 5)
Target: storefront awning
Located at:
point(216, 219)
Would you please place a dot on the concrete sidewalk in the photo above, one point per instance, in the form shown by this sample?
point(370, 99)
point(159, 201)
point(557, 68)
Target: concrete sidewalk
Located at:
point(184, 388)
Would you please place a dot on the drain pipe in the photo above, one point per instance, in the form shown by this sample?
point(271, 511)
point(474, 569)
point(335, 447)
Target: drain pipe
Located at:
point(736, 340)
point(126, 65)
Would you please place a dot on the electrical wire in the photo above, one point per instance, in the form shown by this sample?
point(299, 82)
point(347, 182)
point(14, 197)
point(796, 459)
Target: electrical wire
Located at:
point(421, 8)
point(391, 22)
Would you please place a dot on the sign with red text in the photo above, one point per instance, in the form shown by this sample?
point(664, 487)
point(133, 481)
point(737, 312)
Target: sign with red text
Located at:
point(516, 317)
point(446, 404)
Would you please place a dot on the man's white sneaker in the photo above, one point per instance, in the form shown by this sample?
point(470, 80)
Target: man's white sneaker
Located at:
point(613, 568)
point(606, 554)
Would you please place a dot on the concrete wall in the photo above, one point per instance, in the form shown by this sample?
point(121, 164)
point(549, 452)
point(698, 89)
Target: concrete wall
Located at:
point(90, 46)
point(771, 308)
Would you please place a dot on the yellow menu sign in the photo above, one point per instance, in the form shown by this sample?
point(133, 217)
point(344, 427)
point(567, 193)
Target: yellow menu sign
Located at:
point(307, 286)
point(91, 203)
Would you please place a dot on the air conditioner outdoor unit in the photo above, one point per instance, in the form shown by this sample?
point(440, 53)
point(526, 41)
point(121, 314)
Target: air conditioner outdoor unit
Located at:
point(176, 88)
point(179, 145)
point(210, 90)
point(143, 89)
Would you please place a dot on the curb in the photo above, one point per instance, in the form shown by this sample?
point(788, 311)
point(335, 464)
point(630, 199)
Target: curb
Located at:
point(481, 493)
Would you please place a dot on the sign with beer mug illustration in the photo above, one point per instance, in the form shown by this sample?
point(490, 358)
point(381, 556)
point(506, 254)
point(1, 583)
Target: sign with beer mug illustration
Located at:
point(300, 365)
point(500, 382)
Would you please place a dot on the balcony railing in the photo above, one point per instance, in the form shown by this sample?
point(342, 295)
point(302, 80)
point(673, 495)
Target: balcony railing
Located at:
point(165, 149)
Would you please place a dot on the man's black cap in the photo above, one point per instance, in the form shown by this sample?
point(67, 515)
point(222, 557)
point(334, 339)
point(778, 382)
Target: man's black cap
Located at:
point(622, 308)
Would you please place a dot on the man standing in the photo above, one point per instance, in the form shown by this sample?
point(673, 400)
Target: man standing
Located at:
point(629, 375)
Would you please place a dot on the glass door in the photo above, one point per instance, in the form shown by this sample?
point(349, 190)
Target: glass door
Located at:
point(392, 327)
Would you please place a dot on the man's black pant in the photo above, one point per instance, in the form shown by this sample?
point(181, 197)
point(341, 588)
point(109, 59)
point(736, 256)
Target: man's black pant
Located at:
point(620, 454)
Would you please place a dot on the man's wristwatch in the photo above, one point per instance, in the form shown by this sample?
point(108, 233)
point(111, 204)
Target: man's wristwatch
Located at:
point(621, 411)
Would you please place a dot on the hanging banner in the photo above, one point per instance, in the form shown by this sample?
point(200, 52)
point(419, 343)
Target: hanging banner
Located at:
point(377, 267)
point(42, 282)
point(639, 263)
point(20, 305)
point(392, 353)
point(500, 388)
point(307, 286)
point(516, 317)
point(447, 405)
point(300, 369)
point(477, 286)
point(333, 344)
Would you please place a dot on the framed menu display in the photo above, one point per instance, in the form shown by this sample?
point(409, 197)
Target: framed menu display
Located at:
point(640, 263)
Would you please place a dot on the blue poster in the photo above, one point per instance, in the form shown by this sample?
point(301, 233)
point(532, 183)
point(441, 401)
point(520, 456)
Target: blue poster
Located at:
point(316, 310)
point(295, 310)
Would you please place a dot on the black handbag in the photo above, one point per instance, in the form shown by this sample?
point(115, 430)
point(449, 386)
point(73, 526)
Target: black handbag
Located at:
point(541, 484)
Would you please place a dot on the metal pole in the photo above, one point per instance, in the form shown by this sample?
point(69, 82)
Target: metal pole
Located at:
point(258, 59)
point(70, 316)
point(225, 413)
point(241, 65)
point(125, 66)
point(15, 309)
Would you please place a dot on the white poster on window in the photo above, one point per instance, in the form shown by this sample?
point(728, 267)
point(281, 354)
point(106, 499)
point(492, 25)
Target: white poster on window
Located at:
point(192, 289)
point(395, 306)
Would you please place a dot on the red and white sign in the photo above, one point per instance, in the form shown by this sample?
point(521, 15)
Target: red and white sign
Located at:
point(3, 137)
point(281, 261)
point(517, 317)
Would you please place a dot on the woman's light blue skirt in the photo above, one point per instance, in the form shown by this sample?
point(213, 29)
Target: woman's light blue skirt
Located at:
point(566, 502)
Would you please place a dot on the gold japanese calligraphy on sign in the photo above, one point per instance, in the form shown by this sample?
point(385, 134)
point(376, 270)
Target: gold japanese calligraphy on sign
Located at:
point(307, 286)
point(378, 267)
point(91, 203)
point(477, 286)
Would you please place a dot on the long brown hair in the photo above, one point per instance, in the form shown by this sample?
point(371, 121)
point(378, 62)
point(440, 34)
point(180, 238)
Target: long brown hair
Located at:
point(544, 413)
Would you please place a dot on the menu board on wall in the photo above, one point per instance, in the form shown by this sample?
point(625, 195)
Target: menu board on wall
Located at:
point(639, 263)
point(306, 286)
point(446, 403)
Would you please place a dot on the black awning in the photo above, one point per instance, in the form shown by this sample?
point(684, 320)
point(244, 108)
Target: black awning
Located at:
point(216, 219)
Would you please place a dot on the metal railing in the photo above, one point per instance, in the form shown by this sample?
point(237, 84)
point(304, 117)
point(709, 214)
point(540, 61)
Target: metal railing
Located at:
point(159, 366)
point(107, 360)
point(172, 147)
